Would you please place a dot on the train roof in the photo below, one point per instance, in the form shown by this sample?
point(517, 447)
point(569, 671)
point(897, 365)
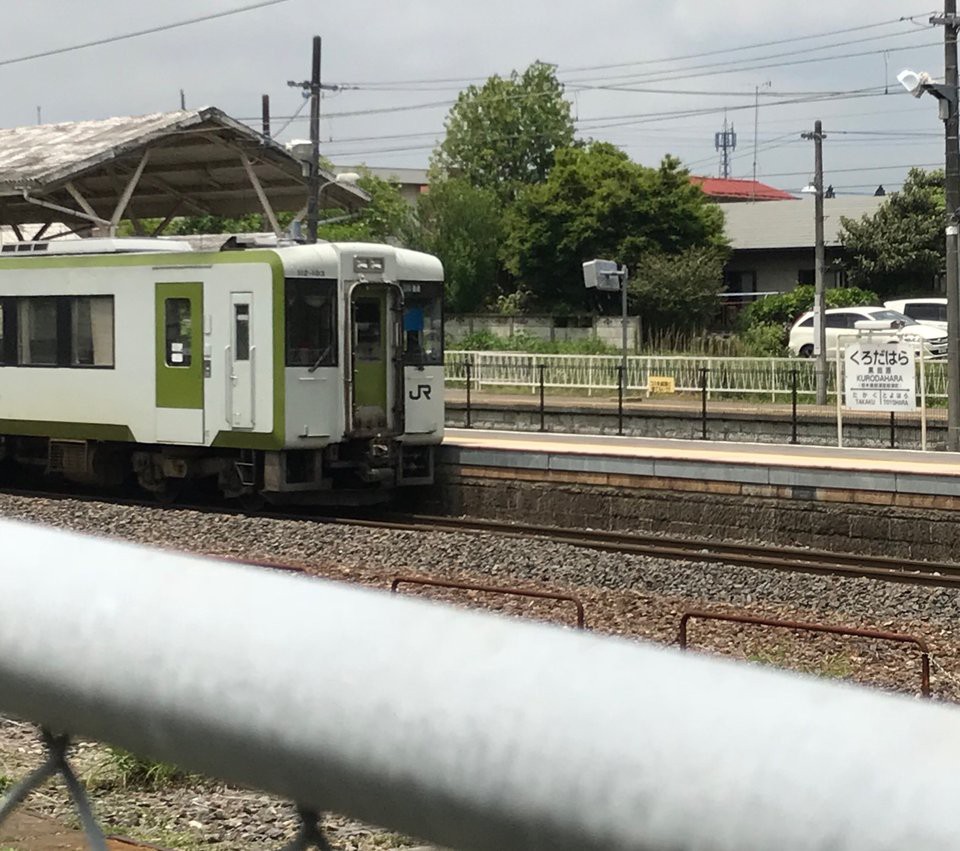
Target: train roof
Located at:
point(129, 245)
point(323, 259)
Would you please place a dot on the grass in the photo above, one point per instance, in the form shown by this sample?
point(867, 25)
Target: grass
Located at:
point(125, 770)
point(833, 666)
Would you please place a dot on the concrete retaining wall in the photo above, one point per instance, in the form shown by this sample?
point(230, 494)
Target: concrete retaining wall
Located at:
point(904, 525)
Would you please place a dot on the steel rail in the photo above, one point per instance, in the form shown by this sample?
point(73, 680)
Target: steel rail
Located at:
point(460, 727)
point(791, 559)
point(750, 555)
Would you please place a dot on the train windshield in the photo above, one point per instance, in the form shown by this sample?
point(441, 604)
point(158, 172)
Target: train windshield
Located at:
point(422, 323)
point(311, 330)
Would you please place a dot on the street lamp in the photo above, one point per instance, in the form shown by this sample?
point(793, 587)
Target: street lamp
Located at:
point(946, 95)
point(346, 178)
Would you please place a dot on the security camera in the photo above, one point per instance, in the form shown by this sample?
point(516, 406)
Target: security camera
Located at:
point(913, 82)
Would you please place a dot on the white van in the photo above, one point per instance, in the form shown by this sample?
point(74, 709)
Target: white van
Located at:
point(926, 311)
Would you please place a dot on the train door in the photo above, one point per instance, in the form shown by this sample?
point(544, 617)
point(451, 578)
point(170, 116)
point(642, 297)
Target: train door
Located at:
point(241, 361)
point(372, 337)
point(179, 362)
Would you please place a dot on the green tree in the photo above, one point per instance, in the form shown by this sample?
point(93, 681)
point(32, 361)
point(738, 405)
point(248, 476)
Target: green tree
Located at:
point(680, 291)
point(387, 216)
point(505, 133)
point(900, 248)
point(460, 223)
point(596, 202)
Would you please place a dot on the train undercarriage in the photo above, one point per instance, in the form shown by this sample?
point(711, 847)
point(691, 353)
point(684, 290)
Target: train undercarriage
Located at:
point(357, 472)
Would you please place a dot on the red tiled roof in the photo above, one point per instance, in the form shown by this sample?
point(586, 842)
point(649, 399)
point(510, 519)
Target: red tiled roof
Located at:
point(725, 188)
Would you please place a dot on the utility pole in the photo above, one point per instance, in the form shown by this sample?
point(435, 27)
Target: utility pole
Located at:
point(312, 88)
point(314, 197)
point(819, 301)
point(756, 127)
point(951, 125)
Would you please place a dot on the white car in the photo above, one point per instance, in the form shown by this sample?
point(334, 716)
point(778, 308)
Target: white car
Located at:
point(843, 320)
point(926, 311)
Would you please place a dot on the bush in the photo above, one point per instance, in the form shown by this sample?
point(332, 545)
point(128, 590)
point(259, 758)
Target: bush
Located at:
point(784, 309)
point(765, 341)
point(487, 341)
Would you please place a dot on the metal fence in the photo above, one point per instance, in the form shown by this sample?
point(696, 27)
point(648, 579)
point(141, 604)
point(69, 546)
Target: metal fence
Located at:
point(732, 398)
point(769, 378)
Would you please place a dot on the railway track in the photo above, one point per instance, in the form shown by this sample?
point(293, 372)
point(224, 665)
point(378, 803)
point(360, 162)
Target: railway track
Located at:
point(659, 546)
point(795, 559)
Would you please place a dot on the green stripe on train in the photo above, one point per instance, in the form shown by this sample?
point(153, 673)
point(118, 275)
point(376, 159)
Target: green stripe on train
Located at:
point(66, 431)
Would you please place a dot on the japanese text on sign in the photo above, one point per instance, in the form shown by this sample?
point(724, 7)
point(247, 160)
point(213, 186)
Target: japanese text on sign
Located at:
point(880, 376)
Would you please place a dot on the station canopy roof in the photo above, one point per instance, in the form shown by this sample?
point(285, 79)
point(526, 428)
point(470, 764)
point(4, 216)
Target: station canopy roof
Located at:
point(184, 163)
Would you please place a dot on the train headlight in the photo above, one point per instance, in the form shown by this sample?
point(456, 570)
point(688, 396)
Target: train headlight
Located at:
point(367, 264)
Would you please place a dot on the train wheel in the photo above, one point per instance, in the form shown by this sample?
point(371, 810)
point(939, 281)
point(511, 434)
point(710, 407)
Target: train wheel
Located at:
point(168, 492)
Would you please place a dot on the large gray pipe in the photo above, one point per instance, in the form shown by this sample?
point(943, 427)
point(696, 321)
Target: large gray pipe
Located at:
point(474, 731)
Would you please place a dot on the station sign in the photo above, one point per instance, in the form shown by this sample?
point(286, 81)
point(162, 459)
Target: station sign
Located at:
point(880, 376)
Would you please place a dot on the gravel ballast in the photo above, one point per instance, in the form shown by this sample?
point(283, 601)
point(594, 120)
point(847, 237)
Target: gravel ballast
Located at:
point(628, 595)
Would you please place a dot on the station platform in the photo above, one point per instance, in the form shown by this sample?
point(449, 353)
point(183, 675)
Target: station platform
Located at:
point(932, 474)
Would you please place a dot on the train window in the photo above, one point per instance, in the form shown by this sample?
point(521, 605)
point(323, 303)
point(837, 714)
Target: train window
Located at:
point(369, 344)
point(8, 332)
point(178, 325)
point(91, 322)
point(241, 331)
point(311, 330)
point(422, 323)
point(38, 323)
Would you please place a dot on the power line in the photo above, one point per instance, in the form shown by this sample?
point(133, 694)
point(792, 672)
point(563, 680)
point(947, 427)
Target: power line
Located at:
point(162, 28)
point(729, 62)
point(661, 60)
point(779, 63)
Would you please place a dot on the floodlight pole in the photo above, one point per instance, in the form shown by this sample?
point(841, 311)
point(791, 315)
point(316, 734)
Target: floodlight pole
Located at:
point(951, 125)
point(623, 327)
point(819, 300)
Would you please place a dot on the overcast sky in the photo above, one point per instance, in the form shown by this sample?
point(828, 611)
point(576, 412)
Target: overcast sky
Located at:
point(419, 54)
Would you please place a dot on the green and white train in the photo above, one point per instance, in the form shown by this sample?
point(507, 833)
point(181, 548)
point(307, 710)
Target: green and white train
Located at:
point(300, 373)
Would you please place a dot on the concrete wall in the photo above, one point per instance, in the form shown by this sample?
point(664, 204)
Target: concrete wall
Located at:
point(906, 526)
point(545, 327)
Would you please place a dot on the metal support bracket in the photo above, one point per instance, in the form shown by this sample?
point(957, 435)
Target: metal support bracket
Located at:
point(56, 763)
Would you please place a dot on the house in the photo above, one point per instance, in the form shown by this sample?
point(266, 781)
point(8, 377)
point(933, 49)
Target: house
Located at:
point(773, 244)
point(728, 190)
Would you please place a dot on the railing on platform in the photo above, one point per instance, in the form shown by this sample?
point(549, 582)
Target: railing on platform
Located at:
point(769, 378)
point(463, 728)
point(772, 388)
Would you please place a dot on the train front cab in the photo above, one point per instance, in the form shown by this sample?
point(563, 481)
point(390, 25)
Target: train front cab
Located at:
point(364, 380)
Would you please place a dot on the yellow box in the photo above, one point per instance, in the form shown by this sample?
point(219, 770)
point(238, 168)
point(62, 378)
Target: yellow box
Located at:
point(662, 384)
